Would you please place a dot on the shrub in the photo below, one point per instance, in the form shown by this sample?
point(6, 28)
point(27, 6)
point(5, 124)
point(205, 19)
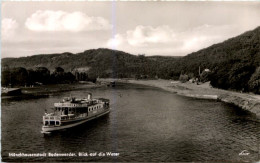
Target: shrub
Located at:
point(254, 82)
point(184, 78)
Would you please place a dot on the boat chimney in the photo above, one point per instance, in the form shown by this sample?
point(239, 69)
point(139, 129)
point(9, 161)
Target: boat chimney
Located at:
point(89, 96)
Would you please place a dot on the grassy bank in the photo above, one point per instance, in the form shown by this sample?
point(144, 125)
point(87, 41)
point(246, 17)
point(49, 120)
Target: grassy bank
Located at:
point(250, 102)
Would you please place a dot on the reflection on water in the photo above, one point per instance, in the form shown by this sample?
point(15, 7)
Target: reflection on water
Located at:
point(145, 124)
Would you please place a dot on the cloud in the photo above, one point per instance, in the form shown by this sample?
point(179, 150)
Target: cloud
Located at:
point(163, 40)
point(8, 28)
point(143, 35)
point(63, 21)
point(206, 35)
point(116, 41)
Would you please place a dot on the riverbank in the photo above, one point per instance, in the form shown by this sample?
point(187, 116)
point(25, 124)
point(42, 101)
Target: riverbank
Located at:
point(49, 89)
point(46, 90)
point(249, 102)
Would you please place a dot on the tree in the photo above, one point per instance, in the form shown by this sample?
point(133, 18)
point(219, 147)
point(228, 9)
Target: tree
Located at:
point(19, 76)
point(60, 76)
point(32, 76)
point(254, 82)
point(239, 76)
point(6, 76)
point(42, 75)
point(69, 77)
point(59, 70)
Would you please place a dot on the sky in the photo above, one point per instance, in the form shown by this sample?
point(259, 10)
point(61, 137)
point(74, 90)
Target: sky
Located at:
point(150, 28)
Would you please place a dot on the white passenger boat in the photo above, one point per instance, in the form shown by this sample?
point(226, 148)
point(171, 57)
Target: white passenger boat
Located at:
point(71, 112)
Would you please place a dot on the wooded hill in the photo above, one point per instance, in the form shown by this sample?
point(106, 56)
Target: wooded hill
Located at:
point(234, 63)
point(100, 62)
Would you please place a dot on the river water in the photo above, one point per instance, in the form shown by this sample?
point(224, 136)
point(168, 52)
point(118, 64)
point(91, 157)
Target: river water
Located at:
point(145, 124)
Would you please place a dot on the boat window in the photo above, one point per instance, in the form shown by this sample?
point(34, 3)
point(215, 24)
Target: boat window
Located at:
point(52, 122)
point(57, 123)
point(66, 111)
point(46, 123)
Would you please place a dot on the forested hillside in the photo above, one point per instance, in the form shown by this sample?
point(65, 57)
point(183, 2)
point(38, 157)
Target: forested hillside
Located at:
point(233, 64)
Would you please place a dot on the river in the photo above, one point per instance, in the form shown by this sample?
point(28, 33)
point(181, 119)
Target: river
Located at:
point(145, 124)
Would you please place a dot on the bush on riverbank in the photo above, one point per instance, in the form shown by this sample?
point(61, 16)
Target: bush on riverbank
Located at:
point(183, 78)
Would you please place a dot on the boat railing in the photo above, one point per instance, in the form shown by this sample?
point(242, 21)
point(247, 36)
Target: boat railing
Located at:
point(48, 117)
point(69, 116)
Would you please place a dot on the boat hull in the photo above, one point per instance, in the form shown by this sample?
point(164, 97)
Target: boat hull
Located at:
point(48, 129)
point(11, 92)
